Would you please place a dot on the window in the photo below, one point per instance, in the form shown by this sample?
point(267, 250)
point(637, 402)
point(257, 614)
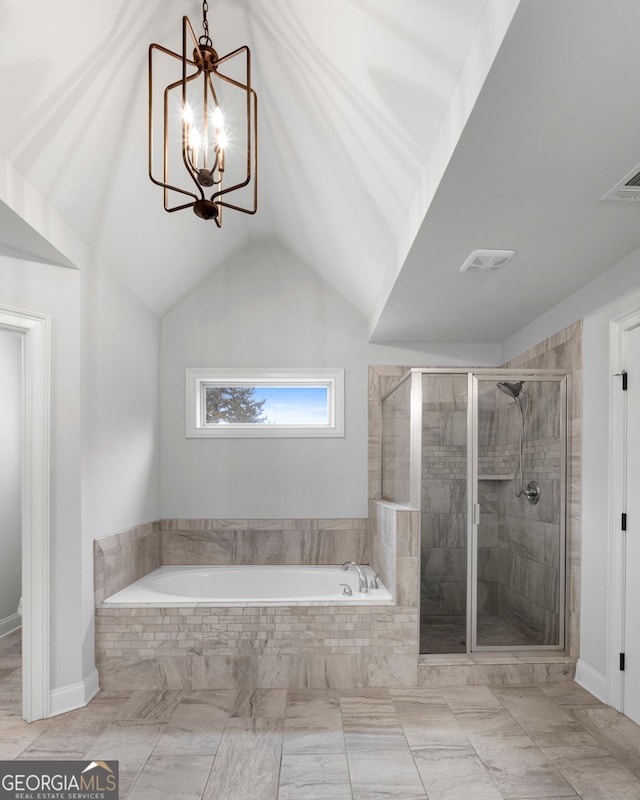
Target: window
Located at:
point(261, 402)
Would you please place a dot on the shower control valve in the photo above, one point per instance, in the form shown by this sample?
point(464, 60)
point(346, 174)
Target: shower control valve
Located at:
point(532, 492)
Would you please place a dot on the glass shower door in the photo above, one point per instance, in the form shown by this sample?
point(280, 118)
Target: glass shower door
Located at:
point(518, 531)
point(443, 503)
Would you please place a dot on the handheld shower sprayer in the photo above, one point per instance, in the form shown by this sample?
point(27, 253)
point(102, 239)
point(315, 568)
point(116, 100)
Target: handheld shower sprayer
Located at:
point(516, 392)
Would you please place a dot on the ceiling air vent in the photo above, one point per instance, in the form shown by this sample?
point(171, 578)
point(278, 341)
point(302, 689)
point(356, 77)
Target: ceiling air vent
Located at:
point(626, 189)
point(487, 260)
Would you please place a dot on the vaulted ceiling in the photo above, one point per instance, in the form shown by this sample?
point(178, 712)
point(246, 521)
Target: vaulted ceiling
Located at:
point(395, 137)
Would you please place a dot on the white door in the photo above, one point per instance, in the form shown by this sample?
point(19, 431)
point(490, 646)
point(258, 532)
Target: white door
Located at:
point(631, 647)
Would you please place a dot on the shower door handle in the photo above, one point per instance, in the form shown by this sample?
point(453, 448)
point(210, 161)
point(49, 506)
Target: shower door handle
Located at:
point(476, 513)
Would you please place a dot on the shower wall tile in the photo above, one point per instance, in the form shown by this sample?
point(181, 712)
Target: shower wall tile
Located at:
point(488, 529)
point(561, 351)
point(450, 562)
point(444, 496)
point(430, 529)
point(538, 583)
point(487, 564)
point(380, 381)
point(453, 530)
point(487, 597)
point(395, 444)
point(546, 510)
point(487, 428)
point(444, 427)
point(530, 539)
point(538, 622)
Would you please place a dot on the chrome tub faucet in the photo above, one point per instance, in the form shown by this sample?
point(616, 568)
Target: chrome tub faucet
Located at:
point(361, 576)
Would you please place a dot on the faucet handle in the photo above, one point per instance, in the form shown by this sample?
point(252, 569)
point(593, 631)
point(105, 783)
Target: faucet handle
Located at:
point(347, 589)
point(373, 583)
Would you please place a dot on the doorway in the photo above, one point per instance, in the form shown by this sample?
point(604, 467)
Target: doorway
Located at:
point(33, 331)
point(10, 517)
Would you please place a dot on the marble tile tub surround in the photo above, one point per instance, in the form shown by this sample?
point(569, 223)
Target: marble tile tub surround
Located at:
point(272, 647)
point(263, 541)
point(122, 558)
point(256, 647)
point(393, 549)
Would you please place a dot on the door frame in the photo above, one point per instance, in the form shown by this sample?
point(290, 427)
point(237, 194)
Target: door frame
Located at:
point(619, 326)
point(35, 331)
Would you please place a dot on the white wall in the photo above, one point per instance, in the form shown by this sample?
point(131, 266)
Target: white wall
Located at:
point(615, 291)
point(10, 510)
point(120, 419)
point(268, 310)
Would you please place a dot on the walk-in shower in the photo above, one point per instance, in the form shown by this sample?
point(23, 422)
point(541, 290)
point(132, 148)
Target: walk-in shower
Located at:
point(489, 481)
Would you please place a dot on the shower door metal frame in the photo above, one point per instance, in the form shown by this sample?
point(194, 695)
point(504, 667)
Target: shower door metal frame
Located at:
point(473, 509)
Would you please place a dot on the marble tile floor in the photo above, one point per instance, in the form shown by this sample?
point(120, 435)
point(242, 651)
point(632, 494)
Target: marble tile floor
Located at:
point(462, 743)
point(447, 634)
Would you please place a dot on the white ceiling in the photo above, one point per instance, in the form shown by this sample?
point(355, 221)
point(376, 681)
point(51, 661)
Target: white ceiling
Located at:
point(361, 105)
point(556, 125)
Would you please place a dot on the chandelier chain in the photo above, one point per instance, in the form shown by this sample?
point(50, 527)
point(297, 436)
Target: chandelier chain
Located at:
point(206, 39)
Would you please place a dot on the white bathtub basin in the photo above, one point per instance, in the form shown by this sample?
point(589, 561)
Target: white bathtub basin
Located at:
point(249, 586)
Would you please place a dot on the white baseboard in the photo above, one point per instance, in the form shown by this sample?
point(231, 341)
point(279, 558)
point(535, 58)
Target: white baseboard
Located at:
point(10, 624)
point(592, 680)
point(77, 695)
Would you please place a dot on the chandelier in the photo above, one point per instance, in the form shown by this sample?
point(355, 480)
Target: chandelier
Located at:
point(208, 128)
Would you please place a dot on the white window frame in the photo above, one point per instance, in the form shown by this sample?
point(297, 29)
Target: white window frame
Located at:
point(198, 379)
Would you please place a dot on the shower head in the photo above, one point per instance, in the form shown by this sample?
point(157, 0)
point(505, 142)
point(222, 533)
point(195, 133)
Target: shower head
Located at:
point(512, 389)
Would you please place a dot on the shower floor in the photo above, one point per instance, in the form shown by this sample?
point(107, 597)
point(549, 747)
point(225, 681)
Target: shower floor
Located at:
point(449, 634)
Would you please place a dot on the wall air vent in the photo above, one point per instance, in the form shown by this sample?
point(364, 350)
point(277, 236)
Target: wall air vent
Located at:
point(487, 260)
point(626, 189)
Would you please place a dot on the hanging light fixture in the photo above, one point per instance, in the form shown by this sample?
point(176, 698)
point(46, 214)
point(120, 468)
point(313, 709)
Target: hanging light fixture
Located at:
point(208, 128)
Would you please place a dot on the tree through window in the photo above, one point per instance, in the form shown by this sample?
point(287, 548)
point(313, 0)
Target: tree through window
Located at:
point(233, 404)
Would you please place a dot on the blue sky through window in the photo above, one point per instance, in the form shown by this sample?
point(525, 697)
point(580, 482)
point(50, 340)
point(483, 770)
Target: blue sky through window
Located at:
point(294, 405)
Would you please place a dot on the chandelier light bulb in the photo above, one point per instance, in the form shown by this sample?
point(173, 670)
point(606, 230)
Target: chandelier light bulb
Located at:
point(217, 118)
point(195, 140)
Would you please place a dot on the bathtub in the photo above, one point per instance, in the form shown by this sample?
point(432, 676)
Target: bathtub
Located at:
point(248, 586)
